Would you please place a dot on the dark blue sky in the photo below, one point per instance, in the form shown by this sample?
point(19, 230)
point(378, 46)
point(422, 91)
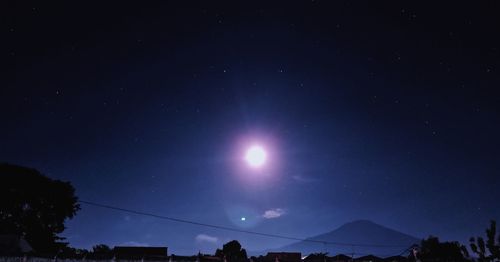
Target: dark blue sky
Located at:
point(381, 112)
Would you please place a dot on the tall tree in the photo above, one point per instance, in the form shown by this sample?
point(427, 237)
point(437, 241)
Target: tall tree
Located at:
point(489, 250)
point(35, 206)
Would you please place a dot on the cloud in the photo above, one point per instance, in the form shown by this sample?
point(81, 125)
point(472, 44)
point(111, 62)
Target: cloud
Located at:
point(273, 213)
point(206, 238)
point(134, 244)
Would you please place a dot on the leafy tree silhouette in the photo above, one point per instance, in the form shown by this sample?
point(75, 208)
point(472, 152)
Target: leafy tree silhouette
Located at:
point(479, 246)
point(101, 251)
point(433, 250)
point(35, 206)
point(232, 252)
point(72, 253)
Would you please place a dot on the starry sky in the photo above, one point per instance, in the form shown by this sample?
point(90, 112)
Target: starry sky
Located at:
point(382, 111)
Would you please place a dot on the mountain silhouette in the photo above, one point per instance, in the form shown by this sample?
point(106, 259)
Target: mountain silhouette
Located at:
point(367, 237)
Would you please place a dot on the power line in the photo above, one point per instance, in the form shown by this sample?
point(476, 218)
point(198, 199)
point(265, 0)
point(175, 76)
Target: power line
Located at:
point(403, 252)
point(233, 229)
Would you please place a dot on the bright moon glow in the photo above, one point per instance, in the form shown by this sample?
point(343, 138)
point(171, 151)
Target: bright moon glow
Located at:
point(243, 218)
point(255, 156)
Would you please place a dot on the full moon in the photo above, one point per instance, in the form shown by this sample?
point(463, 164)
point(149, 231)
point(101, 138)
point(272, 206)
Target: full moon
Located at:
point(256, 156)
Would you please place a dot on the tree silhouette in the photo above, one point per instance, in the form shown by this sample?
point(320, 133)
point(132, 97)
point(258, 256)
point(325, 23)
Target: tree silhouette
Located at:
point(35, 206)
point(232, 251)
point(101, 251)
point(492, 245)
point(72, 253)
point(433, 250)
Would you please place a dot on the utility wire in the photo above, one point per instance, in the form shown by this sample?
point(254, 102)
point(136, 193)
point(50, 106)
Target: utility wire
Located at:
point(233, 229)
point(404, 251)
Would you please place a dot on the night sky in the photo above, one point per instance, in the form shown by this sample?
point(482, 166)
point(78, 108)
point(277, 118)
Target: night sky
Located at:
point(366, 110)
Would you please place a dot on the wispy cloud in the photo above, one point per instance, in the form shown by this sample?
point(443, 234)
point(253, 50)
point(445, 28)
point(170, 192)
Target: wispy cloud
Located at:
point(206, 238)
point(273, 213)
point(134, 244)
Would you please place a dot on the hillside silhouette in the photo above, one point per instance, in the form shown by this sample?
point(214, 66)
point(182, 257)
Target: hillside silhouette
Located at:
point(372, 238)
